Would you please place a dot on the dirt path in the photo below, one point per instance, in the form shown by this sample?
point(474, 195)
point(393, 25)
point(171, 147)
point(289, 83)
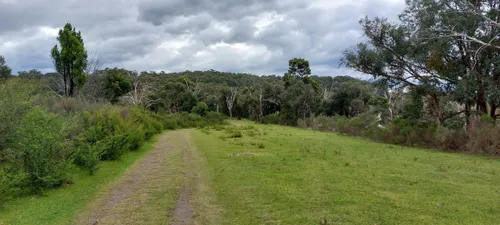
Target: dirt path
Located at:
point(157, 189)
point(183, 213)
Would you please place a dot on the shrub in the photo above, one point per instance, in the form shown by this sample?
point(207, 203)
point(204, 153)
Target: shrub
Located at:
point(218, 127)
point(15, 98)
point(5, 193)
point(170, 123)
point(116, 130)
point(60, 105)
point(271, 119)
point(452, 140)
point(233, 132)
point(252, 133)
point(136, 138)
point(186, 120)
point(102, 128)
point(214, 118)
point(151, 124)
point(236, 134)
point(40, 154)
point(201, 109)
point(321, 123)
point(88, 156)
point(353, 126)
point(484, 138)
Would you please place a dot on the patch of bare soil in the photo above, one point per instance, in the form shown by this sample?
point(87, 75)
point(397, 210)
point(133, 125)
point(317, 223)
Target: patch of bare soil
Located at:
point(183, 213)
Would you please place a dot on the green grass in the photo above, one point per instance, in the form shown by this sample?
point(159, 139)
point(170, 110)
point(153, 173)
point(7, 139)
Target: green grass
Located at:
point(284, 175)
point(266, 174)
point(60, 206)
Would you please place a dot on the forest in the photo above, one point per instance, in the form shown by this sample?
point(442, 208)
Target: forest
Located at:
point(432, 81)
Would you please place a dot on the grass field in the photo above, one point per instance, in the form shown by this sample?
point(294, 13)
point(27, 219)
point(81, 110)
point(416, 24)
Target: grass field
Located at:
point(283, 175)
point(60, 206)
point(266, 174)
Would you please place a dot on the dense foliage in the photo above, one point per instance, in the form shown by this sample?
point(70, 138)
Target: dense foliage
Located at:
point(45, 138)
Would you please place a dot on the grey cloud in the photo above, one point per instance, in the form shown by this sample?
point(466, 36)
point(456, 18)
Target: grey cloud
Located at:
point(159, 12)
point(129, 33)
point(187, 24)
point(124, 48)
point(22, 14)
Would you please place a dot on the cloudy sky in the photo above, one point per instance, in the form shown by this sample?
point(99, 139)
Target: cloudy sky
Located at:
point(255, 36)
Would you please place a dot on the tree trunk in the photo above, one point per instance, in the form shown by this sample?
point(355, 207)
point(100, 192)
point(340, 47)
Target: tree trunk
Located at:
point(261, 111)
point(65, 79)
point(437, 108)
point(482, 105)
point(467, 116)
point(493, 111)
point(71, 88)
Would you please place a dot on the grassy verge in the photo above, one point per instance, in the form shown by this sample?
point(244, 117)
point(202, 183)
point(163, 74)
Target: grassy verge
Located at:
point(282, 175)
point(59, 206)
point(198, 178)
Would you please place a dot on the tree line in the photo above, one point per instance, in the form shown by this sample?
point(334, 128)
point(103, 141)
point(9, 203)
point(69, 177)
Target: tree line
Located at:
point(435, 68)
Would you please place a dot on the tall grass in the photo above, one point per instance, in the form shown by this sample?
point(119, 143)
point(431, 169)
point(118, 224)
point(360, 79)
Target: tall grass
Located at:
point(480, 138)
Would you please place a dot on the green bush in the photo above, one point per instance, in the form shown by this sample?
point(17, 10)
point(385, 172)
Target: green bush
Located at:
point(151, 123)
point(233, 132)
point(40, 154)
point(349, 126)
point(5, 193)
point(88, 156)
point(271, 119)
point(136, 139)
point(115, 130)
point(103, 128)
point(170, 123)
point(15, 102)
point(214, 118)
point(201, 109)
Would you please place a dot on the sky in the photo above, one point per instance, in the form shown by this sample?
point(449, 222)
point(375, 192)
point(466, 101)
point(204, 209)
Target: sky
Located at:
point(248, 36)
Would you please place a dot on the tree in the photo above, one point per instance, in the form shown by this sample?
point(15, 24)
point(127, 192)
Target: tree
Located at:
point(142, 92)
point(32, 74)
point(350, 99)
point(394, 55)
point(468, 35)
point(298, 68)
point(116, 84)
point(70, 59)
point(445, 47)
point(299, 101)
point(5, 70)
point(230, 97)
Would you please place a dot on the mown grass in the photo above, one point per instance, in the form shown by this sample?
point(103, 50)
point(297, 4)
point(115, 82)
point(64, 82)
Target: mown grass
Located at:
point(284, 175)
point(59, 206)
